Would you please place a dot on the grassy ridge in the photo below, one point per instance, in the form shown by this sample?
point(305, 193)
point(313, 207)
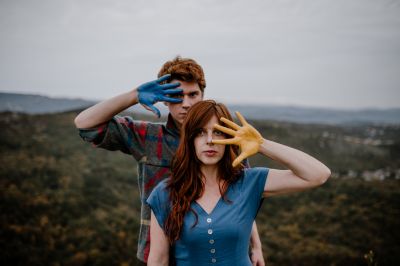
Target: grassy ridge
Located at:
point(64, 202)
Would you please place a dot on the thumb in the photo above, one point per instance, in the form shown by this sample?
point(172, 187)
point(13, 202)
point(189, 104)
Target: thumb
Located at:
point(153, 109)
point(240, 158)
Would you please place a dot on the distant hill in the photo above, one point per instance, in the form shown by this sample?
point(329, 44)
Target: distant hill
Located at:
point(64, 202)
point(319, 115)
point(37, 104)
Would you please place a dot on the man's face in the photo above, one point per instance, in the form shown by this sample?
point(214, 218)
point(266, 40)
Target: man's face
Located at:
point(191, 94)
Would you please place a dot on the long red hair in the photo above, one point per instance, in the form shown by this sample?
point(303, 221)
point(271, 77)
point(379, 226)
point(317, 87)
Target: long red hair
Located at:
point(186, 182)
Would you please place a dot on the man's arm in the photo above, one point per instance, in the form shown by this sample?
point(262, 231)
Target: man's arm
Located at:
point(147, 94)
point(257, 257)
point(105, 110)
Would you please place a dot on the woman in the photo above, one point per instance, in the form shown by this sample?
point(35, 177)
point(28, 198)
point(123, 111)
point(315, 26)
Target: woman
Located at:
point(204, 212)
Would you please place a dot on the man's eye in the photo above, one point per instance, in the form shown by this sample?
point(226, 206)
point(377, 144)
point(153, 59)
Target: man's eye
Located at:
point(193, 94)
point(179, 95)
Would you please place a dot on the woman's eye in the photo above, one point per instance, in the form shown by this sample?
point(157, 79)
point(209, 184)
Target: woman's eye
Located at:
point(218, 133)
point(201, 132)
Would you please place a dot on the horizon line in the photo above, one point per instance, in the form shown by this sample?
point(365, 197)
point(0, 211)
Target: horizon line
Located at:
point(228, 102)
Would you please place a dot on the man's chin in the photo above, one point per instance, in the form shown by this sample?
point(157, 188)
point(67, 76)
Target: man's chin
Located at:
point(181, 118)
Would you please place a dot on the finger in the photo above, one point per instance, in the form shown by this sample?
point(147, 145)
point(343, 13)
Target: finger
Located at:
point(239, 159)
point(225, 130)
point(241, 118)
point(170, 99)
point(163, 78)
point(170, 86)
point(233, 141)
point(173, 91)
point(230, 123)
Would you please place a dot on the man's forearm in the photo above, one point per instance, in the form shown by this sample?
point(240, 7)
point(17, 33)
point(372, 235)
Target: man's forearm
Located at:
point(105, 110)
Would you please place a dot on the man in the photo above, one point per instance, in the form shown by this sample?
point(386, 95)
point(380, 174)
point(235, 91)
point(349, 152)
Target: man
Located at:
point(180, 85)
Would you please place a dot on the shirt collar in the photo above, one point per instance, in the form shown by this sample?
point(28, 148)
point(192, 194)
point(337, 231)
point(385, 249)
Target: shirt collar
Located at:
point(171, 126)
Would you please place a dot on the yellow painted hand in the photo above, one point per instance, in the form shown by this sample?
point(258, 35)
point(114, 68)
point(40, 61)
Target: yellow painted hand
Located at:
point(246, 137)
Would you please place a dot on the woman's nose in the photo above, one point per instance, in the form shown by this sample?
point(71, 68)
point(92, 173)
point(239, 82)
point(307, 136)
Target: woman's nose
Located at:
point(209, 138)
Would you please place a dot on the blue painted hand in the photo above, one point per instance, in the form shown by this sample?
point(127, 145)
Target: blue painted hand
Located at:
point(151, 92)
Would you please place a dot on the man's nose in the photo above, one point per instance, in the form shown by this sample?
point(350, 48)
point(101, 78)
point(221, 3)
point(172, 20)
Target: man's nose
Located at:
point(185, 102)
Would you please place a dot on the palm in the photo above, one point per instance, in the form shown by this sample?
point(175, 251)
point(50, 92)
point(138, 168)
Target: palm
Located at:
point(248, 140)
point(153, 91)
point(245, 136)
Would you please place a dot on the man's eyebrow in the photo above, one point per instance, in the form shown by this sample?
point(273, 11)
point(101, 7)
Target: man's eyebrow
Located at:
point(190, 92)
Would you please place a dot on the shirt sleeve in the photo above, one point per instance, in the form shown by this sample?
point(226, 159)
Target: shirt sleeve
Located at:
point(120, 133)
point(159, 202)
point(254, 183)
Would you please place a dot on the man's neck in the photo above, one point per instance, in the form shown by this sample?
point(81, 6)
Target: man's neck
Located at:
point(177, 124)
point(172, 124)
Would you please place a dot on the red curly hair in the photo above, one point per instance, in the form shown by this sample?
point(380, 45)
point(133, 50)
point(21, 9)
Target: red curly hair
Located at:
point(184, 69)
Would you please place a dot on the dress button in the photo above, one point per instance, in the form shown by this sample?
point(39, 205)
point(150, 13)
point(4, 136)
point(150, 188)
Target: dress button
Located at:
point(210, 231)
point(214, 260)
point(209, 220)
point(212, 250)
point(211, 241)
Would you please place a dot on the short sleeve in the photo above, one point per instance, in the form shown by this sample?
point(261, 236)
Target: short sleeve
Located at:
point(120, 133)
point(159, 202)
point(254, 183)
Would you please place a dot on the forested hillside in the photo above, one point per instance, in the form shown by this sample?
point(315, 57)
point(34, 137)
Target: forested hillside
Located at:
point(64, 202)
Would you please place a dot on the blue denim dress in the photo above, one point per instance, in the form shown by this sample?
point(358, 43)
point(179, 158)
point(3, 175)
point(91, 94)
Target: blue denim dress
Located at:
point(222, 236)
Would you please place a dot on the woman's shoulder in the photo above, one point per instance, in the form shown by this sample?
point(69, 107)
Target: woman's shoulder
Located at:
point(255, 171)
point(253, 176)
point(161, 187)
point(160, 191)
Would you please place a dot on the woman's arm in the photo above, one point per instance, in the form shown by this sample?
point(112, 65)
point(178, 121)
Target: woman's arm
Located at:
point(256, 257)
point(304, 170)
point(159, 246)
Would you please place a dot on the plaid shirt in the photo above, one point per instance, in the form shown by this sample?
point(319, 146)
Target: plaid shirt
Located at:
point(152, 145)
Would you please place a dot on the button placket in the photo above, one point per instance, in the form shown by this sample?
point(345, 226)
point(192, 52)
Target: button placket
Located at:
point(211, 240)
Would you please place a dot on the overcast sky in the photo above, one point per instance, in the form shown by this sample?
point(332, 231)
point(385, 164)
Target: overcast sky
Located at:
point(325, 53)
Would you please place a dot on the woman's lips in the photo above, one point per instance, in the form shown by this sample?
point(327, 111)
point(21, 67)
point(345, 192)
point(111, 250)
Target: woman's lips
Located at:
point(210, 153)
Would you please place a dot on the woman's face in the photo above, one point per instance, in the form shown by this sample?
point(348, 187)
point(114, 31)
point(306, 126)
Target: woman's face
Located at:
point(207, 152)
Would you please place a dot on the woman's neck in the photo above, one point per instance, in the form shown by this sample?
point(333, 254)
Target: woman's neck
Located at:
point(210, 173)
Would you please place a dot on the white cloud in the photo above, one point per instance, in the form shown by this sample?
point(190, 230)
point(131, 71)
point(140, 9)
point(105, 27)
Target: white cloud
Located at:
point(319, 53)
